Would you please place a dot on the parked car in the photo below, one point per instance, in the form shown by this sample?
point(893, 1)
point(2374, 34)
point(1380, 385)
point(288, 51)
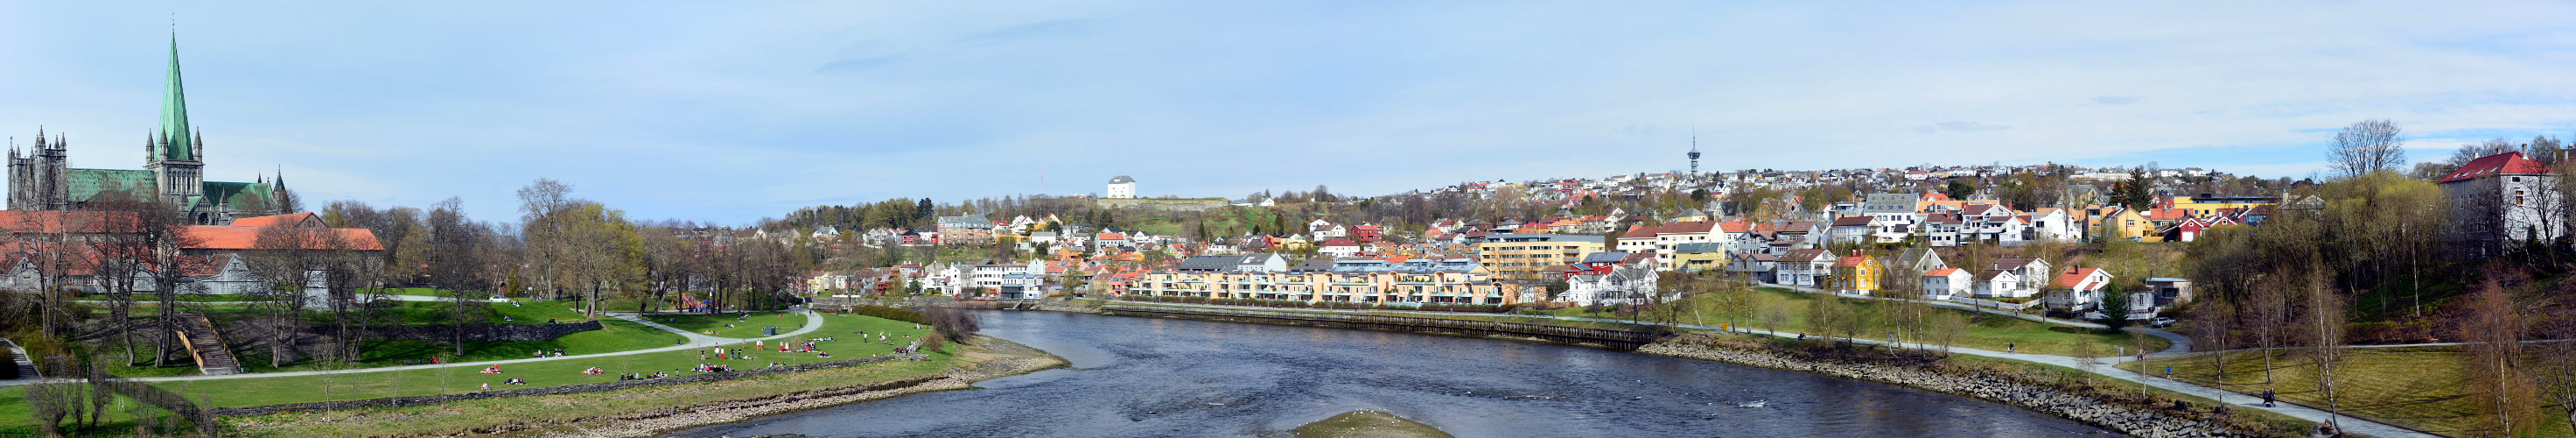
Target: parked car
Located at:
point(2160, 322)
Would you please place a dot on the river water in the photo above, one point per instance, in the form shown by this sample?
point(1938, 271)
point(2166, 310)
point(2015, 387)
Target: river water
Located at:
point(1140, 377)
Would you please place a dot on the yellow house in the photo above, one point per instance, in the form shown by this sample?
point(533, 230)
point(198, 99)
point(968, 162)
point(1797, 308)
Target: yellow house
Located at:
point(1295, 243)
point(1698, 257)
point(1528, 256)
point(2207, 207)
point(1855, 273)
point(2122, 222)
point(1690, 215)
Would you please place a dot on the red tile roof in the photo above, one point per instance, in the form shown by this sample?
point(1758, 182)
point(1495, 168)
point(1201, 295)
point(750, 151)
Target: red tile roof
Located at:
point(2074, 278)
point(283, 220)
point(230, 237)
point(1943, 272)
point(2509, 162)
point(1855, 259)
point(25, 221)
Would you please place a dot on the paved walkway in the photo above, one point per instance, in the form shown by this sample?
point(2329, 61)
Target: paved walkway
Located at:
point(2102, 366)
point(813, 321)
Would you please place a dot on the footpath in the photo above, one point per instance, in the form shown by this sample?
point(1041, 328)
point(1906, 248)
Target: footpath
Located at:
point(813, 321)
point(2102, 366)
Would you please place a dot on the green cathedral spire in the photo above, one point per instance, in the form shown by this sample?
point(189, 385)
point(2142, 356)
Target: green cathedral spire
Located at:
point(174, 113)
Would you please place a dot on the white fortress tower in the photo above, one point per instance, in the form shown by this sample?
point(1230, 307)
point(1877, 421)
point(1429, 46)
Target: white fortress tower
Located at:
point(1121, 187)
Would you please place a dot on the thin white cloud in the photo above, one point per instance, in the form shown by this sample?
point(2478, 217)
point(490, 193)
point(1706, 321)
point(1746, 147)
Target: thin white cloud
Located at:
point(732, 112)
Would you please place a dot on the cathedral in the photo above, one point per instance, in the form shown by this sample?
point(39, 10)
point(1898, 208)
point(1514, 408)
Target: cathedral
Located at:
point(43, 179)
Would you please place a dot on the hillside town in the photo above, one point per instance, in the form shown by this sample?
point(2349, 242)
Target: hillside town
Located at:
point(2119, 226)
point(1755, 226)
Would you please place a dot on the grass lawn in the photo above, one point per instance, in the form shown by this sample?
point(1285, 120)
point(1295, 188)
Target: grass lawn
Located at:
point(449, 417)
point(373, 384)
point(2421, 388)
point(565, 371)
point(434, 312)
point(2280, 423)
point(732, 325)
point(614, 335)
point(424, 292)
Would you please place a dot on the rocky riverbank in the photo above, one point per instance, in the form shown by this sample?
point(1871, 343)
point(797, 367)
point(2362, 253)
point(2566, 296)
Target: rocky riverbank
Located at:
point(2144, 416)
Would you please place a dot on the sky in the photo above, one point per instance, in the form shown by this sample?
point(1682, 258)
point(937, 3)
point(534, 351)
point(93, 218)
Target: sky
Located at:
point(727, 112)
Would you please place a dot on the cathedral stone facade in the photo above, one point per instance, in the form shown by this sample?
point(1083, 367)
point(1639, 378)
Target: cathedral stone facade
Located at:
point(42, 179)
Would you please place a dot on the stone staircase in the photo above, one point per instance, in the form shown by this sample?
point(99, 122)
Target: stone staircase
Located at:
point(206, 346)
point(26, 367)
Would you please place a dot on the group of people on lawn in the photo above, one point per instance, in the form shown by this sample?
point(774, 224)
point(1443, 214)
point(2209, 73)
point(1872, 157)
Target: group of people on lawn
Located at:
point(737, 352)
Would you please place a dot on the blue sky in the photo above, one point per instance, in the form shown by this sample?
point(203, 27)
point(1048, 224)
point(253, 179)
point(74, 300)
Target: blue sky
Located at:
point(732, 112)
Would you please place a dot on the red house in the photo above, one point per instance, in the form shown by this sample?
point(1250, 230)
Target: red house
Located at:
point(1368, 232)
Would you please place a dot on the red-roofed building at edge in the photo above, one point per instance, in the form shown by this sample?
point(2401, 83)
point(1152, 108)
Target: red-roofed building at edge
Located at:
point(211, 259)
point(2499, 201)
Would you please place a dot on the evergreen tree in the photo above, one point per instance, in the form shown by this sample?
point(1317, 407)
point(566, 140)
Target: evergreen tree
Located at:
point(2115, 309)
point(1960, 189)
point(2134, 193)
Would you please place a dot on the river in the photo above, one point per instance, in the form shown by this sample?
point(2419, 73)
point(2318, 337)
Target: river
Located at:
point(1136, 377)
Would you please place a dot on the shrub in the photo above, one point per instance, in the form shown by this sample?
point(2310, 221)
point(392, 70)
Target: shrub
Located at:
point(893, 313)
point(953, 324)
point(935, 343)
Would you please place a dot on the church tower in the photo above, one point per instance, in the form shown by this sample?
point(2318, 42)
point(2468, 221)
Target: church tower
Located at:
point(173, 150)
point(36, 178)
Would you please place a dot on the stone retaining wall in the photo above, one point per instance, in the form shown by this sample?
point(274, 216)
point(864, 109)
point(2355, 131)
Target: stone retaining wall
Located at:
point(2035, 396)
point(1195, 204)
point(552, 390)
point(492, 332)
point(1068, 305)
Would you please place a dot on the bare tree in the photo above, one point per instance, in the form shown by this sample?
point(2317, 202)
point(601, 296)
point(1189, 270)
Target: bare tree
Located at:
point(456, 262)
point(2368, 146)
point(1773, 313)
point(2211, 323)
point(2506, 399)
point(2325, 321)
point(121, 254)
point(2553, 371)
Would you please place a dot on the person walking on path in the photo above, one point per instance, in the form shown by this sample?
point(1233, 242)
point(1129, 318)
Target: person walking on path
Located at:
point(2008, 347)
point(2267, 397)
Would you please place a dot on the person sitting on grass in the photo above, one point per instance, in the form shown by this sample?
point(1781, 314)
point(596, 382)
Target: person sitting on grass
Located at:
point(514, 381)
point(495, 369)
